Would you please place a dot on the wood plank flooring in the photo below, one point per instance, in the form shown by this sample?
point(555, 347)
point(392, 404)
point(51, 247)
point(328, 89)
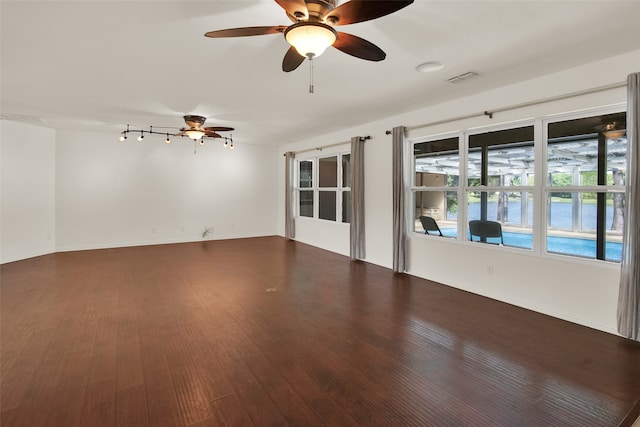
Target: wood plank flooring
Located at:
point(190, 335)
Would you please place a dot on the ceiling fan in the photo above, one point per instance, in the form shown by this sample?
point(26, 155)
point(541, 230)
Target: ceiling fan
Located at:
point(195, 130)
point(312, 29)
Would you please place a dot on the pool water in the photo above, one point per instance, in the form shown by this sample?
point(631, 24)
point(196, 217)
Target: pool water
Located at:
point(560, 214)
point(556, 244)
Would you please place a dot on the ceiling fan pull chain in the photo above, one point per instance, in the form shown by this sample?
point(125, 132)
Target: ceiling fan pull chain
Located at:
point(311, 76)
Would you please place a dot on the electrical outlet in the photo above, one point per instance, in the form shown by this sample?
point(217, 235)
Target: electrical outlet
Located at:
point(153, 231)
point(490, 270)
point(182, 228)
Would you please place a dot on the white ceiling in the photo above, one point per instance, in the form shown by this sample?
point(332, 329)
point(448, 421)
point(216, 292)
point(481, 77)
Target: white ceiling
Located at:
point(99, 65)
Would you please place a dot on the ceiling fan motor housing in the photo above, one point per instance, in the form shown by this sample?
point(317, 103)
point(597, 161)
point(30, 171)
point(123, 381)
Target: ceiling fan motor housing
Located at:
point(194, 121)
point(316, 9)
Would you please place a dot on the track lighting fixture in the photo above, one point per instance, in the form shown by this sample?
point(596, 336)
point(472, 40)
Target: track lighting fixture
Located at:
point(194, 133)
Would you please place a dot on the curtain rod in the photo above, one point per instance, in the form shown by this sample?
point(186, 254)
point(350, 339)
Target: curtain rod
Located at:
point(362, 138)
point(490, 113)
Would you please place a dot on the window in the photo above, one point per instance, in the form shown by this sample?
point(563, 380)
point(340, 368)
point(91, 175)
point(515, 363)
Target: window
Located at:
point(323, 189)
point(500, 180)
point(574, 207)
point(305, 185)
point(346, 188)
point(586, 166)
point(436, 184)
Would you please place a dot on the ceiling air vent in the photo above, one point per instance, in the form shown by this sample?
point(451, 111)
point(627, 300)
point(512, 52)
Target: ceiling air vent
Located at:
point(462, 77)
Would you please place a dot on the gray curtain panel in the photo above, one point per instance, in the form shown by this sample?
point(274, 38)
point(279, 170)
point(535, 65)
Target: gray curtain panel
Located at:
point(356, 238)
point(289, 224)
point(629, 296)
point(399, 226)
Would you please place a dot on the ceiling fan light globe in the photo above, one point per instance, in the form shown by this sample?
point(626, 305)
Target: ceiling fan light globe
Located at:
point(194, 134)
point(310, 39)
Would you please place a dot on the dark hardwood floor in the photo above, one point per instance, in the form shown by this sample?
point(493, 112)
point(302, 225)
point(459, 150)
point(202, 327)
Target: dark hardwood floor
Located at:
point(269, 332)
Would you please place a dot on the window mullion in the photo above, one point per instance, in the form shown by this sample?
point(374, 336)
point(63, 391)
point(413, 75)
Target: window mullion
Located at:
point(462, 185)
point(601, 221)
point(339, 189)
point(316, 186)
point(539, 224)
point(484, 178)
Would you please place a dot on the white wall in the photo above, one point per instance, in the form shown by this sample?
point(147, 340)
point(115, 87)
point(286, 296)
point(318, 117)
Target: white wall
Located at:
point(112, 193)
point(378, 215)
point(27, 198)
point(571, 289)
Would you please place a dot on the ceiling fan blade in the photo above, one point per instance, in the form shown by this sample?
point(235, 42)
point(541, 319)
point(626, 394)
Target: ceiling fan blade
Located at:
point(295, 8)
point(212, 134)
point(181, 133)
point(292, 60)
point(364, 10)
point(217, 128)
point(246, 31)
point(358, 47)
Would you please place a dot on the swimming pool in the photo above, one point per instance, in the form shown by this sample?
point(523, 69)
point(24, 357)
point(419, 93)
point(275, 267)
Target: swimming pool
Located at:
point(560, 214)
point(556, 244)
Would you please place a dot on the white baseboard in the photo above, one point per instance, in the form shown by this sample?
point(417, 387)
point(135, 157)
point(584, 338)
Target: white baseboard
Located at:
point(110, 245)
point(25, 255)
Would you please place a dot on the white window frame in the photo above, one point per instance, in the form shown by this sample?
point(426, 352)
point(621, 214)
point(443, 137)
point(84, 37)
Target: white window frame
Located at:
point(315, 187)
point(534, 189)
point(547, 188)
point(539, 190)
point(462, 210)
